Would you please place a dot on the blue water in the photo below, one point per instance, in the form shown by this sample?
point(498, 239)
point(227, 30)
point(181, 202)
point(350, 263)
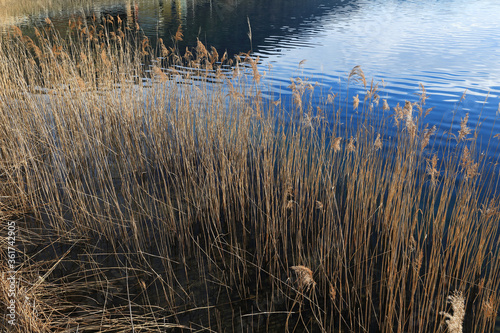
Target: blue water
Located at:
point(449, 46)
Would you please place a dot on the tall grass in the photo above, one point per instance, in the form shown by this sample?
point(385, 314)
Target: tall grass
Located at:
point(173, 196)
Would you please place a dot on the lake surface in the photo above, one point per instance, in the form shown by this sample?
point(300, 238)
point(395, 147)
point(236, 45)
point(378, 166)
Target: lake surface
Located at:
point(449, 46)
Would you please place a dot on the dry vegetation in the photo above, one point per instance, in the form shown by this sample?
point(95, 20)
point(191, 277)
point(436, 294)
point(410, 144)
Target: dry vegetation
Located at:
point(164, 198)
point(15, 8)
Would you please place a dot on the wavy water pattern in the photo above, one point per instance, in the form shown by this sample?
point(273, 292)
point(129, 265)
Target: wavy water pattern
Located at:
point(449, 46)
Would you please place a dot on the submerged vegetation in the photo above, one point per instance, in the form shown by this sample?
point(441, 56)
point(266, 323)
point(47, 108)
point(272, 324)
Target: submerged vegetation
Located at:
point(174, 196)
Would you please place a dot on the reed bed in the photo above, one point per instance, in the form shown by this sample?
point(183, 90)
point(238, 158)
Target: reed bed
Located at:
point(159, 191)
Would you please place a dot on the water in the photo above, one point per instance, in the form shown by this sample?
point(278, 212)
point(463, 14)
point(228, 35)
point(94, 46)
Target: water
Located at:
point(448, 46)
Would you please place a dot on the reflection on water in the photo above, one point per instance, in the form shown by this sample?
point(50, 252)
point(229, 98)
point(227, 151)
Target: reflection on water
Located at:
point(219, 23)
point(448, 46)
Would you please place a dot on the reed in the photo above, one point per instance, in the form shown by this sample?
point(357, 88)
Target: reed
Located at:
point(156, 190)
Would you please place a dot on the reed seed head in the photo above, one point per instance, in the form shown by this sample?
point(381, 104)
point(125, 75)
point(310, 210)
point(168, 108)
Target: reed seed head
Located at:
point(178, 34)
point(423, 93)
point(489, 308)
point(357, 75)
point(427, 136)
point(336, 144)
point(201, 50)
point(455, 321)
point(378, 143)
point(16, 31)
point(355, 102)
point(331, 98)
point(332, 293)
point(385, 106)
point(468, 165)
point(432, 169)
point(418, 262)
point(305, 279)
point(411, 127)
point(464, 130)
point(351, 147)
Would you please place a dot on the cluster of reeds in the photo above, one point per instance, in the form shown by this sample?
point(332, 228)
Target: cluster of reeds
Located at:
point(150, 194)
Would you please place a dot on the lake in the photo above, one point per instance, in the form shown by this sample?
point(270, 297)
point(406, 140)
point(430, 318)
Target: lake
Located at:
point(448, 46)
